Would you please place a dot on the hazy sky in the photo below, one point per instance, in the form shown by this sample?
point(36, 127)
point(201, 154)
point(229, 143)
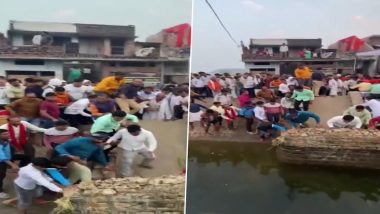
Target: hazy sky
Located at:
point(149, 16)
point(330, 20)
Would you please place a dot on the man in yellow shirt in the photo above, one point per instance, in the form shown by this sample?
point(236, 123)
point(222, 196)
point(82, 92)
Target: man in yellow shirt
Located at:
point(303, 75)
point(110, 85)
point(363, 87)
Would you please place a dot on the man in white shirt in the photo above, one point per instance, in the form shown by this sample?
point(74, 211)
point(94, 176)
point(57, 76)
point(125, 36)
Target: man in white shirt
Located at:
point(284, 50)
point(260, 112)
point(76, 90)
point(283, 88)
point(206, 78)
point(134, 140)
point(224, 98)
point(3, 96)
point(346, 121)
point(249, 84)
point(197, 84)
point(374, 105)
point(180, 104)
point(76, 113)
point(51, 86)
point(292, 81)
point(146, 94)
point(29, 181)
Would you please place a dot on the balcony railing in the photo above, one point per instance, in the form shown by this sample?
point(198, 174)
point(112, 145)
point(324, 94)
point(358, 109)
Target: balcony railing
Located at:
point(279, 56)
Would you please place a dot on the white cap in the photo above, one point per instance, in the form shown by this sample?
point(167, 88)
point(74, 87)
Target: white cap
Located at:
point(55, 82)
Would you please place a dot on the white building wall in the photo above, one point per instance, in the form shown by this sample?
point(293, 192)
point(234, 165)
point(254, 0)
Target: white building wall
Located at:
point(17, 40)
point(179, 71)
point(90, 46)
point(9, 65)
point(272, 65)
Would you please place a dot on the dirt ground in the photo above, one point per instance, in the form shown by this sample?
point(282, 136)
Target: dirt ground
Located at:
point(171, 155)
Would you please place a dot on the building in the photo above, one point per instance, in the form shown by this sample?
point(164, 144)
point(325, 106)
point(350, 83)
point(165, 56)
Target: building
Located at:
point(263, 55)
point(49, 49)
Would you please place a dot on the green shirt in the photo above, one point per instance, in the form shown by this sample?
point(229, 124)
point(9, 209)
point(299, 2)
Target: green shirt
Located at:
point(375, 89)
point(305, 95)
point(107, 124)
point(364, 116)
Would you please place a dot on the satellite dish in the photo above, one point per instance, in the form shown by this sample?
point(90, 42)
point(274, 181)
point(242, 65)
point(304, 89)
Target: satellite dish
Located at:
point(37, 40)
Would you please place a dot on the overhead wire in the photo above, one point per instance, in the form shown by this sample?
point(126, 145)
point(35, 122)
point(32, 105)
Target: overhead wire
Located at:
point(221, 23)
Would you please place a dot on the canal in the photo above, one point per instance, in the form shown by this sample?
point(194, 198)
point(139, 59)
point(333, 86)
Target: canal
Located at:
point(247, 178)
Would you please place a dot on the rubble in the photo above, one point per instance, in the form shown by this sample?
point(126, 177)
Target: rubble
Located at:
point(131, 195)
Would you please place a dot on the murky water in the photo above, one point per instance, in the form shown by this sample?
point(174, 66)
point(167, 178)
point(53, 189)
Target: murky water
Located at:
point(247, 178)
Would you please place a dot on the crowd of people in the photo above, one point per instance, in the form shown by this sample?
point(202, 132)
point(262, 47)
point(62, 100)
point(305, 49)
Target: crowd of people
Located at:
point(81, 124)
point(279, 102)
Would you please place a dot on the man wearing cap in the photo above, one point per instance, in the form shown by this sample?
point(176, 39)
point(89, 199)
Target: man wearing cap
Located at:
point(127, 97)
point(51, 86)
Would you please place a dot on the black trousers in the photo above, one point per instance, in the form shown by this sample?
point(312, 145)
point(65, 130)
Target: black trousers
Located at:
point(305, 105)
point(273, 117)
point(3, 173)
point(27, 157)
point(199, 90)
point(251, 92)
point(77, 119)
point(178, 112)
point(248, 124)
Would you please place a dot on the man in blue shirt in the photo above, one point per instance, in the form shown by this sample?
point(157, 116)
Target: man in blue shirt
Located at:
point(5, 160)
point(83, 149)
point(249, 115)
point(271, 127)
point(299, 118)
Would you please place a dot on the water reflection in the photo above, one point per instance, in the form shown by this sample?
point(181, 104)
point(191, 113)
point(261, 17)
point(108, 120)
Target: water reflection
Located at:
point(297, 182)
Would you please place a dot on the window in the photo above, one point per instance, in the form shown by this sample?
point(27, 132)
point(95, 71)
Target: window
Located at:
point(29, 62)
point(28, 39)
point(117, 46)
point(47, 73)
point(261, 63)
point(132, 64)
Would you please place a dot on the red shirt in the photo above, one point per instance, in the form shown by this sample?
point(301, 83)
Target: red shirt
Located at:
point(372, 81)
point(51, 108)
point(374, 121)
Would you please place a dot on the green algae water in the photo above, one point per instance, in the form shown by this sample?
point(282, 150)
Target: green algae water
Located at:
point(247, 178)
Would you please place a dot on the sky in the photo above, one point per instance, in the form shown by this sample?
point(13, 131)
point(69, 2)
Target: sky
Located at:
point(148, 16)
point(329, 20)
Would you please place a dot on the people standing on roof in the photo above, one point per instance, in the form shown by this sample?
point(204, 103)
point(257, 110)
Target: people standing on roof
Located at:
point(284, 50)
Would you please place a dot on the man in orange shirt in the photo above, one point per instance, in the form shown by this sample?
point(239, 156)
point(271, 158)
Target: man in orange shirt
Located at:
point(214, 86)
point(110, 85)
